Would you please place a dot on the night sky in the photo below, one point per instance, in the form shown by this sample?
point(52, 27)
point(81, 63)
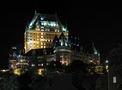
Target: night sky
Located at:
point(101, 25)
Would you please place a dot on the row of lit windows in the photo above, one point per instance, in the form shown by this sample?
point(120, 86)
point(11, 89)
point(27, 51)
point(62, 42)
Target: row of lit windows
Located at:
point(38, 29)
point(46, 40)
point(39, 34)
point(31, 34)
point(37, 37)
point(42, 34)
point(55, 30)
point(33, 44)
point(51, 23)
point(36, 47)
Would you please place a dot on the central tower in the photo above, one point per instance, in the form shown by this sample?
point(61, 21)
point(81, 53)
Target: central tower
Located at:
point(40, 32)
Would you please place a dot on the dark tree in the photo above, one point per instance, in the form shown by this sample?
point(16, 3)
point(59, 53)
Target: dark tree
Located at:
point(25, 80)
point(39, 83)
point(79, 75)
point(78, 66)
point(9, 82)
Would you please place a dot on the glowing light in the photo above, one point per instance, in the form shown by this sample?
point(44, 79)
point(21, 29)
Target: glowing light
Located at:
point(106, 61)
point(66, 44)
point(63, 29)
point(17, 71)
point(61, 42)
point(64, 62)
point(4, 70)
point(32, 65)
point(40, 71)
point(114, 79)
point(14, 47)
point(42, 18)
point(43, 23)
point(52, 24)
point(32, 22)
point(41, 64)
point(90, 61)
point(41, 46)
point(42, 27)
point(106, 67)
point(95, 52)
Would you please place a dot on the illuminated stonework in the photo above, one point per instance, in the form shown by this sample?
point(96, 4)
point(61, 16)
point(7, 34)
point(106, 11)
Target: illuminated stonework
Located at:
point(63, 54)
point(41, 31)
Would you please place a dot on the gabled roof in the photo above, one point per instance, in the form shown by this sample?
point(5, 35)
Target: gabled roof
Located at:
point(63, 40)
point(55, 42)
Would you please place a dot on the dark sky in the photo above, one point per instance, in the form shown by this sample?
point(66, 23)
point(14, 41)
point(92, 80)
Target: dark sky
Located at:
point(101, 25)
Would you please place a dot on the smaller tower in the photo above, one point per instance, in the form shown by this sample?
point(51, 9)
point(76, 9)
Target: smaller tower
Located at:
point(96, 53)
point(62, 50)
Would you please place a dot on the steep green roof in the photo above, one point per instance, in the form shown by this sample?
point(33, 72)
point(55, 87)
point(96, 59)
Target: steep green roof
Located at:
point(42, 21)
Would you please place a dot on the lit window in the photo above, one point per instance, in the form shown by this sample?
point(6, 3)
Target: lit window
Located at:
point(52, 24)
point(42, 64)
point(41, 46)
point(42, 18)
point(32, 65)
point(114, 79)
point(41, 36)
point(43, 23)
point(41, 43)
point(42, 33)
point(42, 29)
point(42, 39)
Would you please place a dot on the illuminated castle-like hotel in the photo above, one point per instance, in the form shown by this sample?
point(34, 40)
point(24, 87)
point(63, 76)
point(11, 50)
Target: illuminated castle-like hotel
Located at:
point(41, 31)
point(46, 40)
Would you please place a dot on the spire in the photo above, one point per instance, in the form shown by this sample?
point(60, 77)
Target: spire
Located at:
point(94, 49)
point(95, 52)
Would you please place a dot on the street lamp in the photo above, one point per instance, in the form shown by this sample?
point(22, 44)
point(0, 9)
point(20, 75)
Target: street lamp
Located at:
point(107, 69)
